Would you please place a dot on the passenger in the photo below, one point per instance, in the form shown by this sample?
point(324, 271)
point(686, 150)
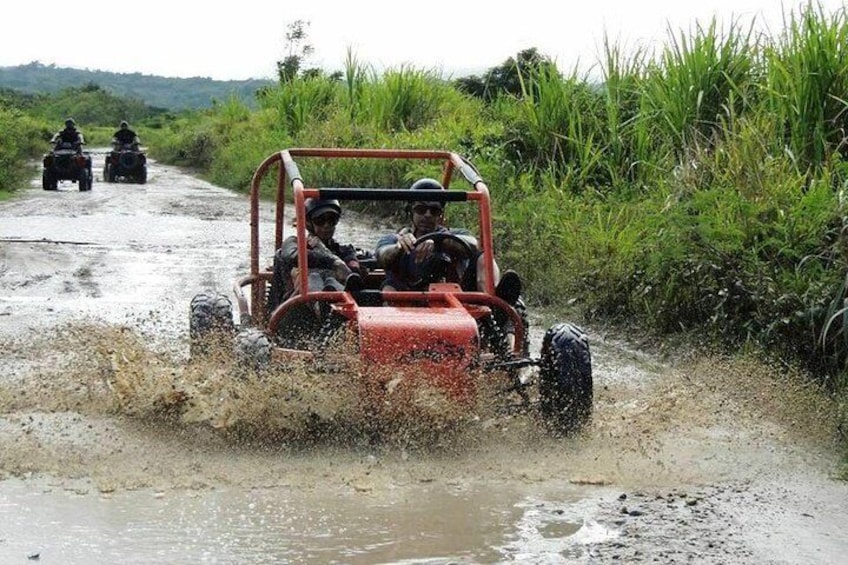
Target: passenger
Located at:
point(405, 262)
point(70, 135)
point(332, 266)
point(125, 136)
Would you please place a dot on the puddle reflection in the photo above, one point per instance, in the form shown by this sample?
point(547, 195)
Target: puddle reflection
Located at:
point(418, 524)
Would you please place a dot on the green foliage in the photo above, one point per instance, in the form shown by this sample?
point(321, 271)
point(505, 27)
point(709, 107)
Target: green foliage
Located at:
point(506, 78)
point(806, 85)
point(559, 129)
point(402, 99)
point(301, 100)
point(355, 78)
point(627, 145)
point(699, 79)
point(297, 51)
point(90, 105)
point(188, 140)
point(20, 142)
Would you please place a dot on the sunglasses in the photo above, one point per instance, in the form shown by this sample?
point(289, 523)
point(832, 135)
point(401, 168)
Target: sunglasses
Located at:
point(422, 209)
point(326, 219)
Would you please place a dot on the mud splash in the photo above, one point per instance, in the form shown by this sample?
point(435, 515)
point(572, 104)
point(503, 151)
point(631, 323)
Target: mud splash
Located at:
point(685, 423)
point(101, 370)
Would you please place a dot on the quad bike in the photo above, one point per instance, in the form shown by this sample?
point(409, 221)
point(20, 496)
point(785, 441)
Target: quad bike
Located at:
point(443, 337)
point(125, 162)
point(66, 161)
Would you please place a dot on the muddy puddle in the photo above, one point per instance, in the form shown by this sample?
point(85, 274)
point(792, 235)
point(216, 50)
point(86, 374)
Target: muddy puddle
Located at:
point(117, 447)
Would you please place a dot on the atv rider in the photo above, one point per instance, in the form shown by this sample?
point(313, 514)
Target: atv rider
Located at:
point(332, 266)
point(404, 261)
point(125, 136)
point(70, 135)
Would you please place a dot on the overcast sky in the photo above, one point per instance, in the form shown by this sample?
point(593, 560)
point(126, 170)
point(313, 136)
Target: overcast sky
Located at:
point(243, 39)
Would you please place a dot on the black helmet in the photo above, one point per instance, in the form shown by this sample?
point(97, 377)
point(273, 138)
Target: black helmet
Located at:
point(124, 124)
point(70, 122)
point(426, 184)
point(318, 206)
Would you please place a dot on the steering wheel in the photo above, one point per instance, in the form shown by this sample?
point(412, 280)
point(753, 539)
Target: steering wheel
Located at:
point(435, 267)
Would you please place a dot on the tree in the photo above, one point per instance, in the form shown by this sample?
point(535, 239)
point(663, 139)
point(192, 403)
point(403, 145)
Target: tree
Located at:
point(297, 51)
point(507, 77)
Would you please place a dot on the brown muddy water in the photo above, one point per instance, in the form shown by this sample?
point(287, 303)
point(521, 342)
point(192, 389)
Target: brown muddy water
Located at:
point(116, 447)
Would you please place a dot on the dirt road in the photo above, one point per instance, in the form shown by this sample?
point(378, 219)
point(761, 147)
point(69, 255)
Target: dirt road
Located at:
point(114, 448)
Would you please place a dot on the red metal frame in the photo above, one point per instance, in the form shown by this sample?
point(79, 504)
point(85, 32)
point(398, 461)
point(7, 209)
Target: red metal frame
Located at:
point(288, 173)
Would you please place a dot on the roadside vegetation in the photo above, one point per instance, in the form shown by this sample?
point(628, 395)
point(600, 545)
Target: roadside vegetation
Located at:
point(699, 190)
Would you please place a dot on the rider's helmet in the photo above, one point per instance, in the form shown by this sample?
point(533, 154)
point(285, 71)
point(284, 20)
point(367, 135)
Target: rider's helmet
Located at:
point(70, 123)
point(427, 184)
point(124, 124)
point(317, 206)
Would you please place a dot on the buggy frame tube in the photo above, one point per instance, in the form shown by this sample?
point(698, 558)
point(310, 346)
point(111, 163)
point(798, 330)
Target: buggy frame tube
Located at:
point(289, 173)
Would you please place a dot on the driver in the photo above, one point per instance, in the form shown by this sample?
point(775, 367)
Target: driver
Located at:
point(70, 135)
point(404, 261)
point(125, 136)
point(331, 265)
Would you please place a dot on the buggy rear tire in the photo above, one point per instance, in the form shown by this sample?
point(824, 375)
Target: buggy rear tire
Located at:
point(565, 379)
point(210, 315)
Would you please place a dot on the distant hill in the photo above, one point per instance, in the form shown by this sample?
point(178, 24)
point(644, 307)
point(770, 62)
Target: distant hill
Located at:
point(160, 92)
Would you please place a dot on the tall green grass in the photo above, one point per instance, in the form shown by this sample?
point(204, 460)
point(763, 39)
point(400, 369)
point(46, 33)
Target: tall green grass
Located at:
point(699, 77)
point(627, 150)
point(806, 85)
point(561, 119)
point(402, 99)
point(300, 101)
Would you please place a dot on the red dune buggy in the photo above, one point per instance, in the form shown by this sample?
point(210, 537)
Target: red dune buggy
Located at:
point(445, 338)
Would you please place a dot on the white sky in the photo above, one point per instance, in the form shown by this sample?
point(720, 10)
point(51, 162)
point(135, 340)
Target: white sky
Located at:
point(242, 39)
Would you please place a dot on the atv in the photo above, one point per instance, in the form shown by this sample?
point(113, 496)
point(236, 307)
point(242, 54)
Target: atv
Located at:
point(444, 338)
point(125, 162)
point(66, 161)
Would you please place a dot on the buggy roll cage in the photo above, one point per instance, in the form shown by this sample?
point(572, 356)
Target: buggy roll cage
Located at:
point(289, 174)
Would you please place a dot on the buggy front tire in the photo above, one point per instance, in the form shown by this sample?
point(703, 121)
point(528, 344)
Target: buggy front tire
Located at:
point(565, 379)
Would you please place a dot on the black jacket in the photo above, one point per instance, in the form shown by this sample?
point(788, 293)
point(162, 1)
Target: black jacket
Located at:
point(125, 136)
